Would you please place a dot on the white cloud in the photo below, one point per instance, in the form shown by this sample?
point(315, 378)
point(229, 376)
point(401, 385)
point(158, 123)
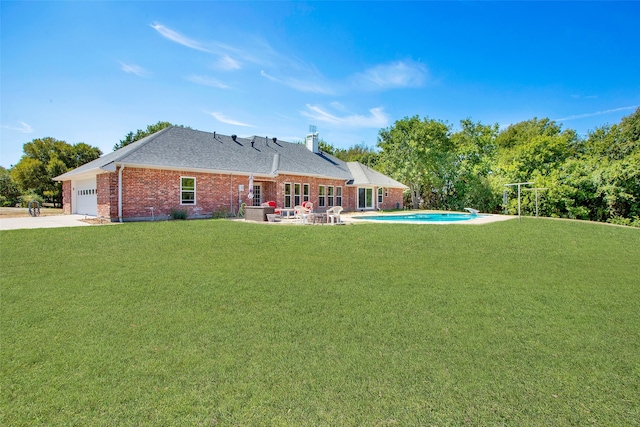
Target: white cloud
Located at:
point(301, 85)
point(295, 73)
point(207, 81)
point(397, 74)
point(134, 69)
point(222, 118)
point(376, 119)
point(598, 113)
point(227, 63)
point(24, 128)
point(400, 74)
point(338, 106)
point(179, 38)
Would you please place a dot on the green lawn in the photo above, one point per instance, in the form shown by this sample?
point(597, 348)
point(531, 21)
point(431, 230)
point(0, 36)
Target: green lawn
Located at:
point(230, 323)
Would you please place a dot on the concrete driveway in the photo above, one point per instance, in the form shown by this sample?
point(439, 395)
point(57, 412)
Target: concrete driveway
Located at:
point(52, 221)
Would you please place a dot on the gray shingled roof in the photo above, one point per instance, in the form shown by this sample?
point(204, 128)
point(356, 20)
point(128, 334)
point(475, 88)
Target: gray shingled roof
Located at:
point(188, 149)
point(364, 175)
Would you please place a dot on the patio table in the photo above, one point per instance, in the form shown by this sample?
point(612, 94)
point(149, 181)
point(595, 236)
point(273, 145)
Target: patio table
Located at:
point(286, 212)
point(319, 216)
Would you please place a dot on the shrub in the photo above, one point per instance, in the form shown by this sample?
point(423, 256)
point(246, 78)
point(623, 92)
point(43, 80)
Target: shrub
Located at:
point(25, 198)
point(178, 214)
point(630, 222)
point(220, 212)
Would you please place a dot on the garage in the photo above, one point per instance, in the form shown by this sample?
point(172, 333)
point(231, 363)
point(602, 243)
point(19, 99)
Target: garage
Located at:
point(86, 198)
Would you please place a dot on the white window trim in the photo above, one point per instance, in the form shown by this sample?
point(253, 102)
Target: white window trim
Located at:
point(322, 198)
point(257, 193)
point(297, 195)
point(284, 195)
point(306, 197)
point(331, 195)
point(338, 194)
point(373, 199)
point(195, 186)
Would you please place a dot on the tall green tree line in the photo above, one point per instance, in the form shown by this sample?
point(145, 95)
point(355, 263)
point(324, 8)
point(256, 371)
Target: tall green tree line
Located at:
point(596, 177)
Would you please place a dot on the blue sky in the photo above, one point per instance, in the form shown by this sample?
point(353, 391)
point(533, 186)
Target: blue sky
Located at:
point(93, 71)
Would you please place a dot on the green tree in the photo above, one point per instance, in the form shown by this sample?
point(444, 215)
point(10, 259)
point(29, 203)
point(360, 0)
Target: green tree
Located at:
point(533, 148)
point(475, 148)
point(46, 158)
point(418, 153)
point(139, 134)
point(356, 153)
point(613, 156)
point(9, 191)
point(359, 153)
point(534, 151)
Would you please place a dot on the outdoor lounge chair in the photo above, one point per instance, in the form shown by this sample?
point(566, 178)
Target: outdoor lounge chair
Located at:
point(333, 214)
point(272, 204)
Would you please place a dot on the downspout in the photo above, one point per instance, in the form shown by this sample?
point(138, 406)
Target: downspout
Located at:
point(120, 193)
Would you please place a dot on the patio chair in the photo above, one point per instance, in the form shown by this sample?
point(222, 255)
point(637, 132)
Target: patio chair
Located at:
point(333, 214)
point(302, 213)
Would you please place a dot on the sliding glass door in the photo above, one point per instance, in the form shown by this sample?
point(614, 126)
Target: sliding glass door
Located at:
point(365, 198)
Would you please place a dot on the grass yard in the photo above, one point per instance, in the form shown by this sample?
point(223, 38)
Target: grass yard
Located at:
point(209, 323)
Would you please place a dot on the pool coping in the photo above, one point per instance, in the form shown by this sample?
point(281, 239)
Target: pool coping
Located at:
point(481, 219)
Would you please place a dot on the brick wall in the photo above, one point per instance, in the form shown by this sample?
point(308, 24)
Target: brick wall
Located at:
point(393, 200)
point(107, 197)
point(314, 184)
point(66, 197)
point(144, 189)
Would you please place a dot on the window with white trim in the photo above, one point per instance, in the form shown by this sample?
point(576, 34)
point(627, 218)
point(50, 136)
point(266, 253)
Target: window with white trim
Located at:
point(330, 195)
point(187, 190)
point(305, 192)
point(287, 195)
point(338, 196)
point(380, 194)
point(296, 194)
point(322, 200)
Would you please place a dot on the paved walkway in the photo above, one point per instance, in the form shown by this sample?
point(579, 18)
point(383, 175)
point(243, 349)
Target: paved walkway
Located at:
point(51, 221)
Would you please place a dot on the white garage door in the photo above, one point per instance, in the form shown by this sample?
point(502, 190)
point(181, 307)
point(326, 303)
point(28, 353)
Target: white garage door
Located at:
point(86, 197)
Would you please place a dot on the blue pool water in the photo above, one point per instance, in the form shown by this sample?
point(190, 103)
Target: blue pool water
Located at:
point(421, 217)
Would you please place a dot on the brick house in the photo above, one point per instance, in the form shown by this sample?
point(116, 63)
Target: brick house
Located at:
point(203, 173)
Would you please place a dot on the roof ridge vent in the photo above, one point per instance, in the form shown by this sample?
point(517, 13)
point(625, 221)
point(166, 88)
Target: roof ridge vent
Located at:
point(234, 137)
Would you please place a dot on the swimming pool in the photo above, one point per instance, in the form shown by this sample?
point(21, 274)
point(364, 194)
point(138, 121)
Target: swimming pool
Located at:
point(422, 218)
